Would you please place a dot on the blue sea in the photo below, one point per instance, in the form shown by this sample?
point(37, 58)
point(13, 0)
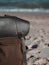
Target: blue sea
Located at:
point(24, 6)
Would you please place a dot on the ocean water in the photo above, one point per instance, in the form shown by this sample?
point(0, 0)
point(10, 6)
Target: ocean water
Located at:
point(25, 6)
point(35, 10)
point(28, 1)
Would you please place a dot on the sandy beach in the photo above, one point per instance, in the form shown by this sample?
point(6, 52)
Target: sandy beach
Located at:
point(38, 42)
point(28, 16)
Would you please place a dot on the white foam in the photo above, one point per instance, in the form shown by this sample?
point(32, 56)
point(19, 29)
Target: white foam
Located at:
point(26, 10)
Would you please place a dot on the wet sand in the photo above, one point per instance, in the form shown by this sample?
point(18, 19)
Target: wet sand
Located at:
point(28, 16)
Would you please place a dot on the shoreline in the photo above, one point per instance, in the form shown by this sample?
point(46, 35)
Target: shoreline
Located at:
point(28, 16)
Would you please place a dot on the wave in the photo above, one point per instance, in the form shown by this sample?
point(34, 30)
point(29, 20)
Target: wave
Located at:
point(25, 10)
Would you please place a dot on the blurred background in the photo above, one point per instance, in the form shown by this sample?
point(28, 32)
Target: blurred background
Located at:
point(25, 5)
